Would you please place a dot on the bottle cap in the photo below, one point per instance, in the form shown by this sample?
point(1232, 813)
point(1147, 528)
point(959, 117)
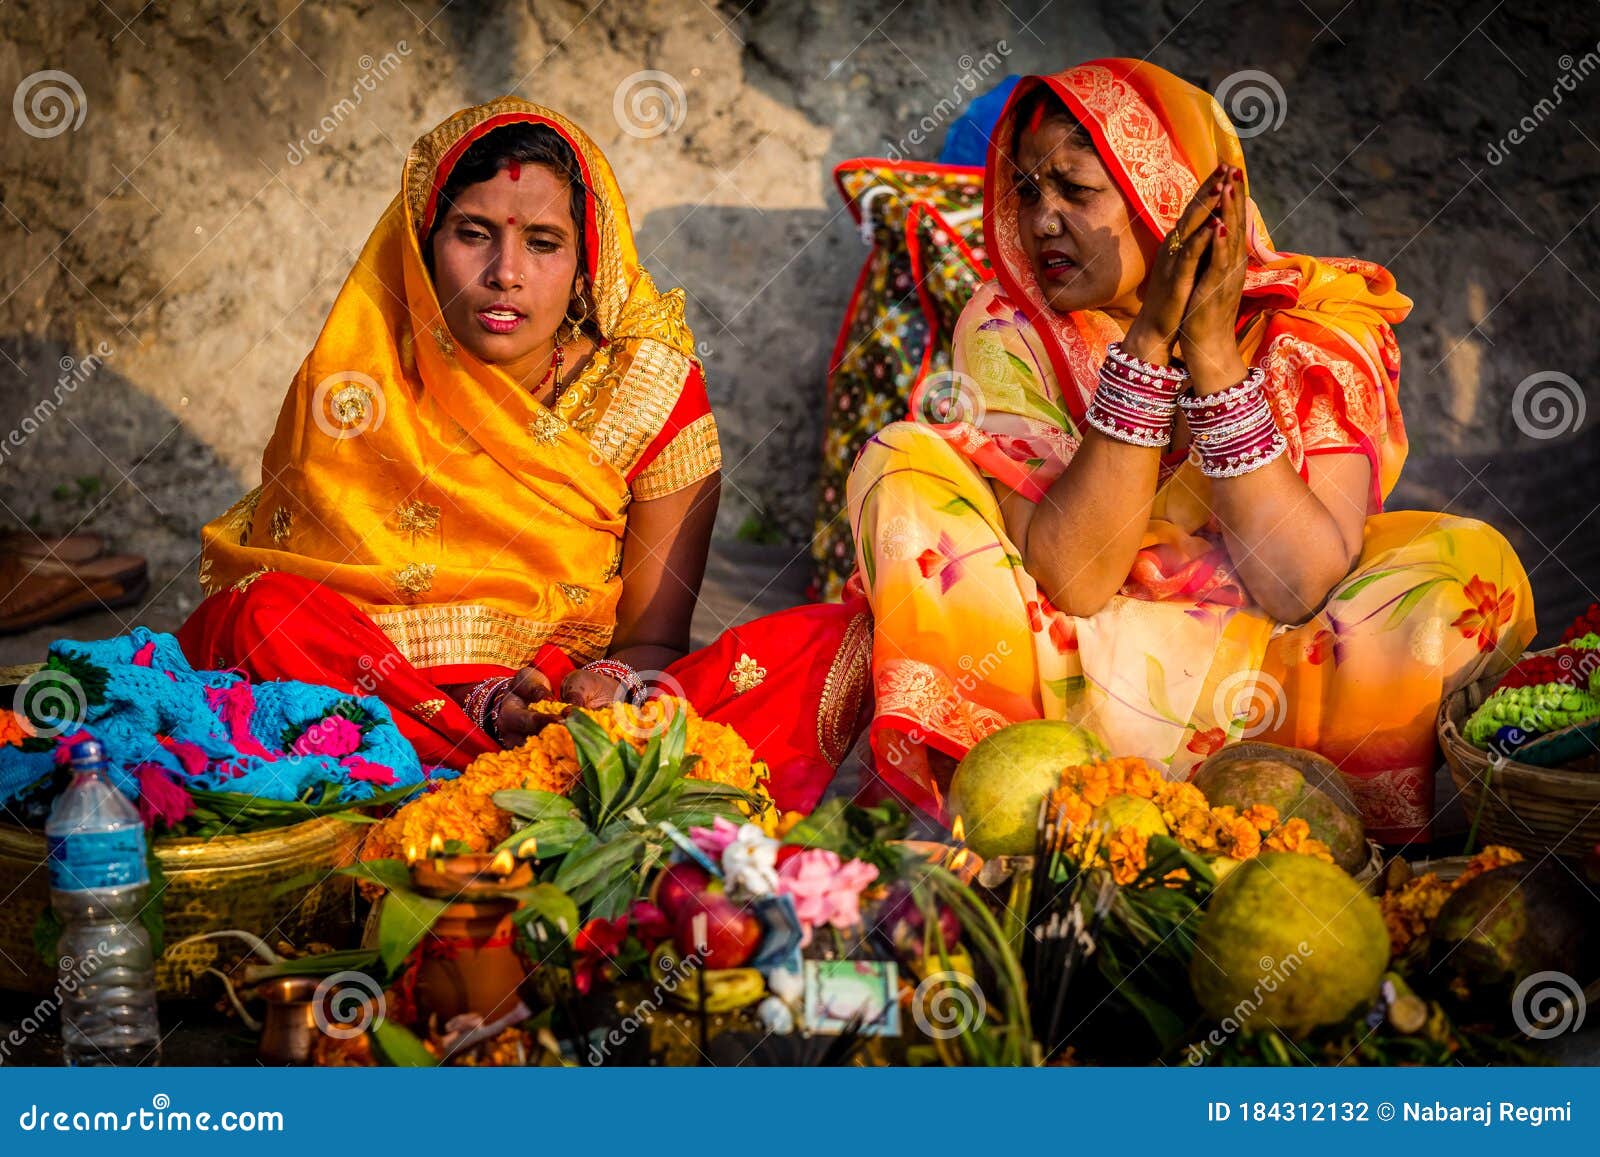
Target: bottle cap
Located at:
point(86, 750)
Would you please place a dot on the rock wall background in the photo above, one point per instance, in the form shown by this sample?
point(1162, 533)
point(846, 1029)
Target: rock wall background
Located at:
point(191, 229)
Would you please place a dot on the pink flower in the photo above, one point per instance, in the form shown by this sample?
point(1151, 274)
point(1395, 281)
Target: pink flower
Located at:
point(161, 800)
point(367, 771)
point(824, 890)
point(334, 736)
point(713, 841)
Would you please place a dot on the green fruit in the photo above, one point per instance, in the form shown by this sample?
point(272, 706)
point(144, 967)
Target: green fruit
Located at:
point(1122, 811)
point(997, 788)
point(1242, 782)
point(1288, 940)
point(1508, 924)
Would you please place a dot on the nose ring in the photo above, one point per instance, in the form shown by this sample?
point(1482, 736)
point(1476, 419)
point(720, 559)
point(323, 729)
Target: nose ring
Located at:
point(1052, 228)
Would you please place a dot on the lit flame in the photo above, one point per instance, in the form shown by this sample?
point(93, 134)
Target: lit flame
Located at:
point(502, 864)
point(528, 848)
point(958, 831)
point(411, 853)
point(958, 859)
point(436, 845)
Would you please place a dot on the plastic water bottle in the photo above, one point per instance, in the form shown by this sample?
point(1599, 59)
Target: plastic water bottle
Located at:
point(98, 880)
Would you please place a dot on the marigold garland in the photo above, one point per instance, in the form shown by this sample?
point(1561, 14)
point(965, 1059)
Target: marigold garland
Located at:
point(463, 808)
point(1193, 822)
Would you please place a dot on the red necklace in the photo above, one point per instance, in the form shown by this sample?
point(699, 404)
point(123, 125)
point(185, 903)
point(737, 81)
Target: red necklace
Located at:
point(556, 361)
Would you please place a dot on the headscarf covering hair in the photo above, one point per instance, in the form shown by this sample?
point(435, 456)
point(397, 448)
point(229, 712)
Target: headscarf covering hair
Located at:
point(1318, 327)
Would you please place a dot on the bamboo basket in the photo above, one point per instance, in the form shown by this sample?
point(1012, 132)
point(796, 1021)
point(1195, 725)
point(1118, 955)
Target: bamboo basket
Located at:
point(243, 881)
point(1532, 809)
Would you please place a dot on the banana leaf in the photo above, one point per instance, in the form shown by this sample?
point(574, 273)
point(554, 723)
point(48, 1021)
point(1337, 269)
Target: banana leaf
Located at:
point(403, 921)
point(536, 805)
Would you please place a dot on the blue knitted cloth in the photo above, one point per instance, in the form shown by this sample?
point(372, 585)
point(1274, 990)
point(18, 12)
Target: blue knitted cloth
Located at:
point(215, 718)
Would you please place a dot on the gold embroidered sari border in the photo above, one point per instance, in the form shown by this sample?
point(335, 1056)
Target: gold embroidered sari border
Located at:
point(468, 633)
point(694, 454)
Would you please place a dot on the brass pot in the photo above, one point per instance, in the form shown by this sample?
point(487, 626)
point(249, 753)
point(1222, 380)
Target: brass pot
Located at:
point(223, 882)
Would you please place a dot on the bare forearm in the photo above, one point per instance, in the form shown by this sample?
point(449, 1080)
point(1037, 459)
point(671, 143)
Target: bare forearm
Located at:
point(1286, 547)
point(647, 656)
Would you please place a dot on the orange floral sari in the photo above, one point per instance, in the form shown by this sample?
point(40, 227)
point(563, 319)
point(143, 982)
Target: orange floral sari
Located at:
point(1181, 661)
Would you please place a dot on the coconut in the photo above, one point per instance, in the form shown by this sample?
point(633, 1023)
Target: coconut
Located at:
point(1266, 774)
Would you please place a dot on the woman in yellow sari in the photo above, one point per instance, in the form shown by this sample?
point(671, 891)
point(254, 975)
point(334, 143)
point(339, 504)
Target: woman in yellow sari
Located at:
point(1150, 498)
point(494, 477)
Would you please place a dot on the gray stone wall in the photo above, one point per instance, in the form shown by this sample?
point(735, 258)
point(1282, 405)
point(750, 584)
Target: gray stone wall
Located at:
point(231, 160)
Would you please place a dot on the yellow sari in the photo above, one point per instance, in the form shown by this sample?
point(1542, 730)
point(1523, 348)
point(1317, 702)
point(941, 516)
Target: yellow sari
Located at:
point(468, 521)
point(1180, 662)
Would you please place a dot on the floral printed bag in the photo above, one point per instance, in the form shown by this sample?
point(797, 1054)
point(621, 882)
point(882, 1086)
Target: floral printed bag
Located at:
point(925, 225)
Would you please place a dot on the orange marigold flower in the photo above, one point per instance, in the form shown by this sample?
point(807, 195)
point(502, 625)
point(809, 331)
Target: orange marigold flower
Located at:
point(1127, 854)
point(1241, 838)
point(1263, 815)
point(14, 728)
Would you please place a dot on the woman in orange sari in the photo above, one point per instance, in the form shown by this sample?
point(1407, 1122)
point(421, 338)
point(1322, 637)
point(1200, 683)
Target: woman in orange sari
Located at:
point(1152, 502)
point(494, 478)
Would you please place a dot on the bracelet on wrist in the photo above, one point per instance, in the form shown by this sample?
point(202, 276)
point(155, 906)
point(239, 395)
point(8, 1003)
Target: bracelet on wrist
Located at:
point(1233, 429)
point(634, 690)
point(1135, 400)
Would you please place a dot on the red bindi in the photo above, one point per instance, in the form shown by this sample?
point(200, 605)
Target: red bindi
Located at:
point(511, 220)
point(514, 169)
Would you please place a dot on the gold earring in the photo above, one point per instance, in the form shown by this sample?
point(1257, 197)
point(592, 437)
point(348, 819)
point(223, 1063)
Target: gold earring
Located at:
point(574, 326)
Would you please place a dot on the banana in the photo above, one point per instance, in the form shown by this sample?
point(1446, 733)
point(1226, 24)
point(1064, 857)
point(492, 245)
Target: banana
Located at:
point(726, 988)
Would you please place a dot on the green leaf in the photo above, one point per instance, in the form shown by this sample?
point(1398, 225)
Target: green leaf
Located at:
point(46, 935)
point(398, 1045)
point(824, 828)
point(640, 776)
point(549, 903)
point(556, 836)
point(390, 874)
point(535, 805)
point(1363, 583)
point(581, 867)
point(1412, 597)
point(672, 766)
point(601, 763)
point(403, 921)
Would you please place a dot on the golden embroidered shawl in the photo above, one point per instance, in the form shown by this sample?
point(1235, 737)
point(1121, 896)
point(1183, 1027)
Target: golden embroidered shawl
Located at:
point(470, 522)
